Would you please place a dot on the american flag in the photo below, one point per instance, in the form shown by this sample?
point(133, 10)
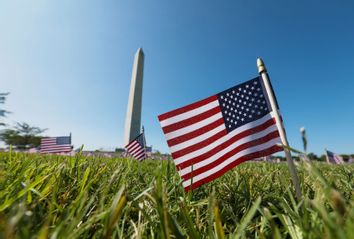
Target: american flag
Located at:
point(136, 147)
point(56, 144)
point(334, 158)
point(212, 136)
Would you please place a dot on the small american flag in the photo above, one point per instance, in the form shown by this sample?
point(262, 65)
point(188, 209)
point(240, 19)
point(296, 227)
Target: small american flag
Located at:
point(56, 144)
point(334, 158)
point(212, 136)
point(136, 147)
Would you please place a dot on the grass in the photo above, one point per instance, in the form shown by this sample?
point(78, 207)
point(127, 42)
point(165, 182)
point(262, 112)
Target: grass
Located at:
point(93, 197)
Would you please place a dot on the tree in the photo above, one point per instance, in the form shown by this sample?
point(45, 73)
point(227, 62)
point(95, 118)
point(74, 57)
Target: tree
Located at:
point(22, 136)
point(2, 101)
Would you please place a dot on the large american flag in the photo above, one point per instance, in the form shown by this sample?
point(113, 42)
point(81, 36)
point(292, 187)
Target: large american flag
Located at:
point(334, 158)
point(136, 147)
point(211, 136)
point(56, 144)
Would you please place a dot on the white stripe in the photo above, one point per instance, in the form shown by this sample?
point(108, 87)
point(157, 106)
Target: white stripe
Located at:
point(142, 153)
point(56, 147)
point(219, 154)
point(197, 139)
point(189, 114)
point(131, 144)
point(219, 167)
point(223, 139)
point(134, 147)
point(193, 127)
point(136, 150)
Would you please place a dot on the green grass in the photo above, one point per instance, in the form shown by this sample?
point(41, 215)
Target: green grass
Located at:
point(86, 197)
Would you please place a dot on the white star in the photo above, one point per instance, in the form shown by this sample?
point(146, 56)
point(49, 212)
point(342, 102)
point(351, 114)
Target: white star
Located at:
point(225, 111)
point(232, 108)
point(227, 106)
point(244, 102)
point(252, 99)
point(237, 94)
point(237, 117)
point(252, 88)
point(247, 86)
point(252, 111)
point(230, 101)
point(233, 92)
point(244, 91)
point(247, 109)
point(239, 89)
point(261, 96)
point(227, 94)
point(233, 115)
point(265, 108)
point(247, 97)
point(255, 82)
point(250, 116)
point(222, 97)
point(263, 102)
point(232, 96)
point(242, 119)
point(232, 121)
point(258, 89)
point(258, 113)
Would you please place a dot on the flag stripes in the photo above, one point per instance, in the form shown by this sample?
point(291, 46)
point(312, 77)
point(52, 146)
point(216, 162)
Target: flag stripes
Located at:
point(203, 140)
point(56, 145)
point(136, 148)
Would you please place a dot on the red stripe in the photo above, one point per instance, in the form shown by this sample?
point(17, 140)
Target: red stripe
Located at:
point(218, 174)
point(232, 152)
point(56, 147)
point(226, 144)
point(131, 143)
point(191, 120)
point(195, 133)
point(199, 145)
point(187, 108)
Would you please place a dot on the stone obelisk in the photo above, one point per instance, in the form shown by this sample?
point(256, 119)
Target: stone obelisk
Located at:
point(133, 118)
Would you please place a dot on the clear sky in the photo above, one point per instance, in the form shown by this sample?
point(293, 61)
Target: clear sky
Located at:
point(67, 64)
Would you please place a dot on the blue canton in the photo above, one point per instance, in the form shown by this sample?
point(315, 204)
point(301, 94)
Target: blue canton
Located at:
point(243, 103)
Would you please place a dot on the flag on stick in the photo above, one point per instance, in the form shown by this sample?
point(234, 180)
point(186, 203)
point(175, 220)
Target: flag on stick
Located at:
point(56, 144)
point(333, 158)
point(136, 147)
point(212, 136)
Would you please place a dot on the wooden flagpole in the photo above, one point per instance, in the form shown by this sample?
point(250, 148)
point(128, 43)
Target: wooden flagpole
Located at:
point(263, 73)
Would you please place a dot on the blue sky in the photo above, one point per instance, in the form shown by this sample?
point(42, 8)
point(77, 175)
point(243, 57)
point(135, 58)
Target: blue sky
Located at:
point(67, 64)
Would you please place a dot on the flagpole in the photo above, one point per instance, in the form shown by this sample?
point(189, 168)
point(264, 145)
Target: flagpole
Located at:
point(263, 73)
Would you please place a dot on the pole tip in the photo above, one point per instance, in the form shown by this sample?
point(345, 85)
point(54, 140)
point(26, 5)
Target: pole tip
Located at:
point(261, 66)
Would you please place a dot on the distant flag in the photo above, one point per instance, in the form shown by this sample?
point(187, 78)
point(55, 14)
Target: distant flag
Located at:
point(56, 144)
point(136, 147)
point(212, 136)
point(333, 158)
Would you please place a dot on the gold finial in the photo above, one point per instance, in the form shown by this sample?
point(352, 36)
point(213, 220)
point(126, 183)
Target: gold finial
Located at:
point(261, 66)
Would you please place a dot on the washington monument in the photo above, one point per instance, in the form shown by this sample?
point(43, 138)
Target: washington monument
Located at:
point(133, 118)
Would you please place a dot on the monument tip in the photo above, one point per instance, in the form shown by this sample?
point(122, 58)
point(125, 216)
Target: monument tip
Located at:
point(261, 66)
point(140, 51)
